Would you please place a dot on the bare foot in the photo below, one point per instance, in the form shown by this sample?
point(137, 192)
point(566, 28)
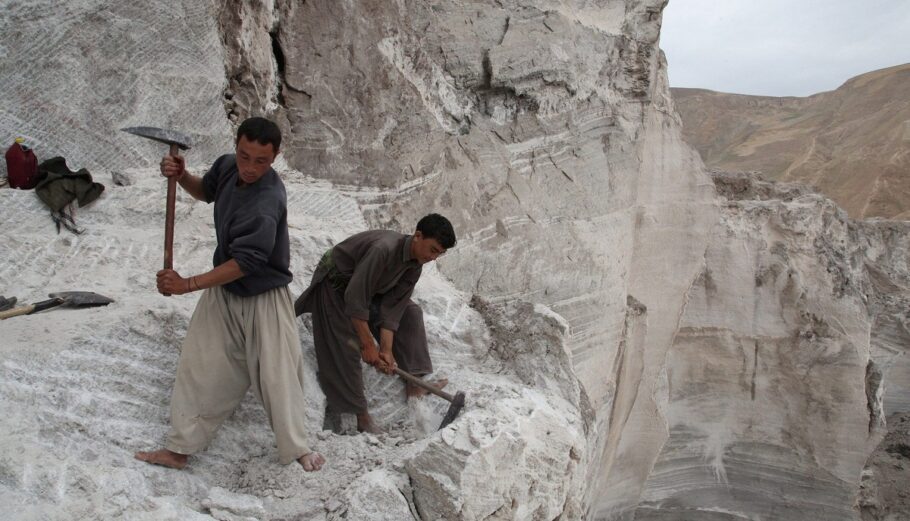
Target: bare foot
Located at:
point(164, 458)
point(365, 423)
point(414, 391)
point(311, 461)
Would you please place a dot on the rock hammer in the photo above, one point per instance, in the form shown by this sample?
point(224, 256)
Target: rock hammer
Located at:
point(175, 140)
point(456, 403)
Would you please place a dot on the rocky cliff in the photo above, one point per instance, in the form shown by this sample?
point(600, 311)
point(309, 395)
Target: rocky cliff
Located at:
point(632, 344)
point(784, 326)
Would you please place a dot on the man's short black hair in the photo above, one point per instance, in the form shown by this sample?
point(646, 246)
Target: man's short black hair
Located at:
point(435, 226)
point(261, 130)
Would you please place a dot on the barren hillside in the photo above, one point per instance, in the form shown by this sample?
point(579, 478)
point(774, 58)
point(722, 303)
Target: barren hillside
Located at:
point(852, 144)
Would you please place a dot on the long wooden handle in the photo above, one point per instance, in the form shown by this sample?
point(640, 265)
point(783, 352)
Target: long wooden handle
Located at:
point(15, 312)
point(419, 382)
point(32, 308)
point(169, 224)
point(169, 219)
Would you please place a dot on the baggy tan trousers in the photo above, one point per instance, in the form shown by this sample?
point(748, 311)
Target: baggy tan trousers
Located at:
point(234, 343)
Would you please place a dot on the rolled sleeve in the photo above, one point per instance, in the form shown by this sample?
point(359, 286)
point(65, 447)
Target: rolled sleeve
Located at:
point(253, 242)
point(363, 284)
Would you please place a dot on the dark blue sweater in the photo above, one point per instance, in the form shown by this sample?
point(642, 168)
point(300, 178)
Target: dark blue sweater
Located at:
point(251, 227)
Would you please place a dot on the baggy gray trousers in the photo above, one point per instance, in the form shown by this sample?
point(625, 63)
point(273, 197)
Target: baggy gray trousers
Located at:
point(338, 348)
point(234, 343)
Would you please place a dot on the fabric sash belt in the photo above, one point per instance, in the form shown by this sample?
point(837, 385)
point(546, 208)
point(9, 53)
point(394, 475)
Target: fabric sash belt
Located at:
point(338, 280)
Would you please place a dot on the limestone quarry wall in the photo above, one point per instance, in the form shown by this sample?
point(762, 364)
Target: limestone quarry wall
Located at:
point(638, 346)
point(76, 72)
point(545, 133)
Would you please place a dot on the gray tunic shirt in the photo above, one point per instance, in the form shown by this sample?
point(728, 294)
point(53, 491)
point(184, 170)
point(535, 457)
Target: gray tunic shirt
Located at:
point(251, 227)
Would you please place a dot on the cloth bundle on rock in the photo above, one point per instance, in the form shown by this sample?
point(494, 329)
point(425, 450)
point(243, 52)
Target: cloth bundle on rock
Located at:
point(58, 187)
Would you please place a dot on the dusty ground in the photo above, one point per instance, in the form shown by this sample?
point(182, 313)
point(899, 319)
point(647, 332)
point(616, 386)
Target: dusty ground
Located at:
point(82, 389)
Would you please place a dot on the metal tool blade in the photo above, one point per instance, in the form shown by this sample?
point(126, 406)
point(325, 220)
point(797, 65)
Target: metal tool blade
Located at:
point(81, 298)
point(454, 408)
point(163, 135)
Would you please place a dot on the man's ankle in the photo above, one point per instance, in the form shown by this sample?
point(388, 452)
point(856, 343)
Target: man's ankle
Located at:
point(365, 423)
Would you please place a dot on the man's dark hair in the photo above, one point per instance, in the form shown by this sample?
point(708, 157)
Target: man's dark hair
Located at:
point(435, 226)
point(261, 130)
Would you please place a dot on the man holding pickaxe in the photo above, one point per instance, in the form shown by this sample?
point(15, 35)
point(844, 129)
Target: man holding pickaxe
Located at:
point(242, 333)
point(360, 293)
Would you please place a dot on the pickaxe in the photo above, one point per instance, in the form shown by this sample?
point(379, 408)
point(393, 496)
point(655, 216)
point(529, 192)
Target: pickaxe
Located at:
point(176, 140)
point(456, 403)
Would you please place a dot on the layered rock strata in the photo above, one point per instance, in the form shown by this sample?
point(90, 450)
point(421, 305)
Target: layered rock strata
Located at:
point(544, 130)
point(632, 345)
point(774, 377)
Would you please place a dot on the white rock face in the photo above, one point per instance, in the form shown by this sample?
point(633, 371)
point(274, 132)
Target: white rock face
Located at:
point(76, 72)
point(767, 406)
point(546, 134)
point(227, 506)
point(83, 389)
point(631, 345)
point(520, 455)
point(377, 496)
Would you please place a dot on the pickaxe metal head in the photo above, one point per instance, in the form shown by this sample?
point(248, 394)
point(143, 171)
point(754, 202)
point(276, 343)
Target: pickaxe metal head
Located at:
point(456, 406)
point(162, 135)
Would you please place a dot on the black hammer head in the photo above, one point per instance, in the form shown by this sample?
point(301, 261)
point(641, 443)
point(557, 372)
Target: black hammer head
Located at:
point(163, 135)
point(455, 408)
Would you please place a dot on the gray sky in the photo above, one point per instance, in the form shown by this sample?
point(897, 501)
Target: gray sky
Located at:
point(781, 47)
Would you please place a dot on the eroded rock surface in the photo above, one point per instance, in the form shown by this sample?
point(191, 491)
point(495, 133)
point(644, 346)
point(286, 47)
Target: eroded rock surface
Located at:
point(883, 488)
point(636, 339)
point(84, 389)
point(74, 73)
point(768, 409)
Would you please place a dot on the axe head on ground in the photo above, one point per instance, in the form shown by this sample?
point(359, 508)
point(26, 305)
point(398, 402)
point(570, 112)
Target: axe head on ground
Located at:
point(162, 135)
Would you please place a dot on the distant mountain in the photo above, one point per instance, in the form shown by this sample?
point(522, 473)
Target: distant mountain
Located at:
point(852, 144)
